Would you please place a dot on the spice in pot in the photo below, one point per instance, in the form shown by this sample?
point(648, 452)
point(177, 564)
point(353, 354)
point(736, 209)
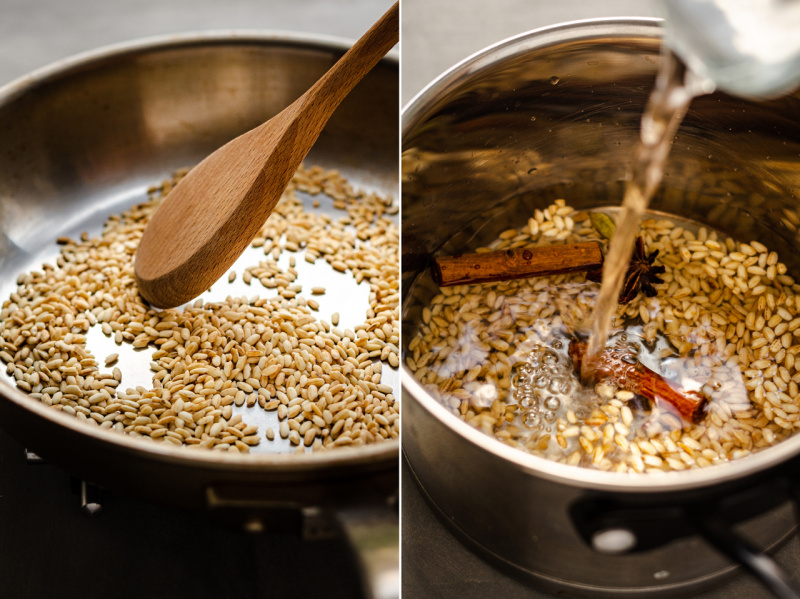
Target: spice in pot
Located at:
point(323, 382)
point(723, 325)
point(518, 263)
point(624, 370)
point(641, 276)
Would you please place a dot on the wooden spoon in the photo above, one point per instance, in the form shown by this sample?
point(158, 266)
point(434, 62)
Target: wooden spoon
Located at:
point(213, 214)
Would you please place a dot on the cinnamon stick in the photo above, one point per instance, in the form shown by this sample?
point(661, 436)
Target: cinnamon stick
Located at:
point(517, 263)
point(639, 379)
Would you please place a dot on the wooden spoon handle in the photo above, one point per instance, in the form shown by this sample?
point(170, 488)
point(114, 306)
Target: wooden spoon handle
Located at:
point(328, 92)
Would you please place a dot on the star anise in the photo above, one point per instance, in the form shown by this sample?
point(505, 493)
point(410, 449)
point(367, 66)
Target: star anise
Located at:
point(641, 276)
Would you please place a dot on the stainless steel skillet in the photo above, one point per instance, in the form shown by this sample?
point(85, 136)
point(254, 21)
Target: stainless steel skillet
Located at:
point(83, 139)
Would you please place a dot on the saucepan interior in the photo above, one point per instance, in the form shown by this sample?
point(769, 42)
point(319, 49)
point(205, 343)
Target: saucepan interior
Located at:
point(552, 114)
point(556, 115)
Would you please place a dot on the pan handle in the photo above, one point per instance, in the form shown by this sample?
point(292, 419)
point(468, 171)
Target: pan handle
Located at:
point(371, 528)
point(374, 535)
point(614, 527)
point(721, 535)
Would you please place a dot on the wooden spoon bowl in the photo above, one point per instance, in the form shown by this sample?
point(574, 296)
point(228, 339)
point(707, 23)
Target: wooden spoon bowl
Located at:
point(213, 214)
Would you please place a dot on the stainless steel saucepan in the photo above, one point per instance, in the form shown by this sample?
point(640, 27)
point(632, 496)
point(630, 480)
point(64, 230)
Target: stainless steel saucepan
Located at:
point(84, 139)
point(555, 114)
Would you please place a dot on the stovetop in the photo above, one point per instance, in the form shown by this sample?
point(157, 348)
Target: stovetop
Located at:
point(136, 549)
point(436, 565)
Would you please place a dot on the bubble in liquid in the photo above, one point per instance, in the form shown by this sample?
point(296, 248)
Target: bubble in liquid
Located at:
point(554, 80)
point(559, 385)
point(549, 416)
point(525, 386)
point(553, 370)
point(541, 381)
point(529, 401)
point(515, 378)
point(552, 403)
point(521, 370)
point(531, 419)
point(526, 369)
point(550, 357)
point(557, 344)
point(520, 394)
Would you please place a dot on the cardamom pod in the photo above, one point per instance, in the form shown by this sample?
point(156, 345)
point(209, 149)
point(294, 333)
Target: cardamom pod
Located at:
point(603, 224)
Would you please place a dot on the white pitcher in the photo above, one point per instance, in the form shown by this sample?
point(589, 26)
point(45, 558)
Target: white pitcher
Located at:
point(749, 48)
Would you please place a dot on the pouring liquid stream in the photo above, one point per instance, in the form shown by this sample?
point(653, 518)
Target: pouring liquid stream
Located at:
point(674, 90)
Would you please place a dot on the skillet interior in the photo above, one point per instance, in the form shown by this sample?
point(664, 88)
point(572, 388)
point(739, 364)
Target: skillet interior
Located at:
point(85, 138)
